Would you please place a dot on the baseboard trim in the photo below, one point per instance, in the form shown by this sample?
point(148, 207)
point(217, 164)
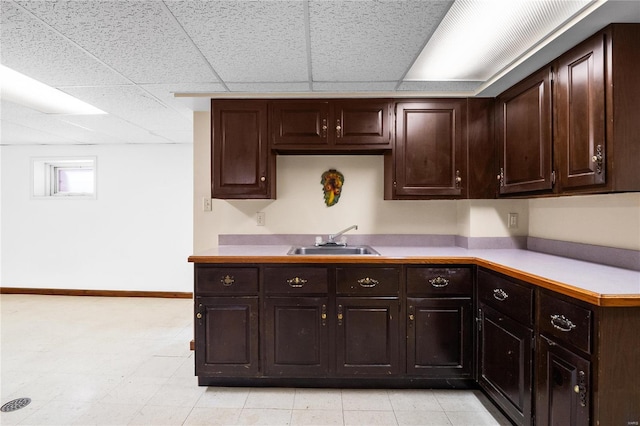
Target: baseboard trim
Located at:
point(101, 293)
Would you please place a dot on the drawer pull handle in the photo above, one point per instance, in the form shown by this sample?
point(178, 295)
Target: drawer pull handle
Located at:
point(368, 282)
point(500, 294)
point(296, 282)
point(439, 282)
point(228, 280)
point(562, 323)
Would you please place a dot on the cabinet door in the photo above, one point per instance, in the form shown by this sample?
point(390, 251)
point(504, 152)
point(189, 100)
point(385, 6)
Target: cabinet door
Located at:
point(367, 336)
point(296, 124)
point(296, 336)
point(523, 125)
point(242, 166)
point(563, 387)
point(505, 363)
point(439, 337)
point(429, 155)
point(361, 123)
point(226, 330)
point(580, 115)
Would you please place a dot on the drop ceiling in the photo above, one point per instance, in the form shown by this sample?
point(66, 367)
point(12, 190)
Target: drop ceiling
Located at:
point(149, 63)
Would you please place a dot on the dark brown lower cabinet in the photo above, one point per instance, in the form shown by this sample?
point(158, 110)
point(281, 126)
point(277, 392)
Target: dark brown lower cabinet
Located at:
point(505, 363)
point(563, 386)
point(439, 337)
point(367, 336)
point(296, 336)
point(226, 330)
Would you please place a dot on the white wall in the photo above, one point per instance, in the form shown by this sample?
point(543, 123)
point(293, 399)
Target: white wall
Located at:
point(300, 209)
point(611, 220)
point(136, 235)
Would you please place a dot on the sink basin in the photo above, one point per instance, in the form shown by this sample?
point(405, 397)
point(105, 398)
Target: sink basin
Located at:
point(331, 250)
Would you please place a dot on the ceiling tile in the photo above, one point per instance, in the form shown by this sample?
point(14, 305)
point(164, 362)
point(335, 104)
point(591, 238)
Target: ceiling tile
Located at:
point(139, 39)
point(248, 41)
point(369, 40)
point(118, 130)
point(354, 86)
point(440, 86)
point(34, 49)
point(133, 104)
point(269, 87)
point(17, 134)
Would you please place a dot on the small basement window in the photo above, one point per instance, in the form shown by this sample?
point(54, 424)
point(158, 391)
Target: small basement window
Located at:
point(64, 177)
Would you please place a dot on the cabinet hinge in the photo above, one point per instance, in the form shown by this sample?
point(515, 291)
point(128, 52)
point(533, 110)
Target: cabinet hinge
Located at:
point(553, 177)
point(479, 319)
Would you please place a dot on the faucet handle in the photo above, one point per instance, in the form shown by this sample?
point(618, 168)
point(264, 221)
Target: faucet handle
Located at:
point(318, 240)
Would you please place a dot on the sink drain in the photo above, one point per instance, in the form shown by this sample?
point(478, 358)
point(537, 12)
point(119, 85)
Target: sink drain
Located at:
point(16, 404)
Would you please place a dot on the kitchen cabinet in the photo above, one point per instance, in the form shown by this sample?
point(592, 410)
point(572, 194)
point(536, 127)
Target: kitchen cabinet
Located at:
point(367, 321)
point(439, 322)
point(505, 344)
point(296, 331)
point(429, 157)
point(226, 321)
point(563, 386)
point(596, 98)
point(344, 125)
point(524, 135)
point(586, 143)
point(242, 166)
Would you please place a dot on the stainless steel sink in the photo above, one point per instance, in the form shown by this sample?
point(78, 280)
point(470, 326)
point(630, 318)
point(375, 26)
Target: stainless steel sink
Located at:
point(330, 250)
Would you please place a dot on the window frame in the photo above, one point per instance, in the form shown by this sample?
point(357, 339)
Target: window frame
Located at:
point(45, 176)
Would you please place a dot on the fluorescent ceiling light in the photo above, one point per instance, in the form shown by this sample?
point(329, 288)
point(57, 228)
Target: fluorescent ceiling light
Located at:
point(23, 90)
point(478, 38)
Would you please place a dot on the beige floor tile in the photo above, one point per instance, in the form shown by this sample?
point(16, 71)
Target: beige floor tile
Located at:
point(214, 397)
point(317, 417)
point(158, 415)
point(422, 418)
point(206, 416)
point(318, 399)
point(264, 416)
point(270, 398)
point(476, 418)
point(372, 418)
point(365, 399)
point(413, 399)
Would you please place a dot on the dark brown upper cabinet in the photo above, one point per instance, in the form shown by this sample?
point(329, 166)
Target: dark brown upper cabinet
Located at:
point(597, 105)
point(524, 135)
point(335, 126)
point(429, 158)
point(588, 141)
point(242, 166)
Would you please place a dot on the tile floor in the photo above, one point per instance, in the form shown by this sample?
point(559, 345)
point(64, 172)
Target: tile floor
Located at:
point(126, 361)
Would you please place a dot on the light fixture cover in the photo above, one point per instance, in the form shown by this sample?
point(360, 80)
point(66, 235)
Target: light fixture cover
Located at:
point(479, 38)
point(18, 88)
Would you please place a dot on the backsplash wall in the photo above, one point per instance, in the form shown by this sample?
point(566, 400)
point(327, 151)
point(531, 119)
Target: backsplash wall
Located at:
point(611, 220)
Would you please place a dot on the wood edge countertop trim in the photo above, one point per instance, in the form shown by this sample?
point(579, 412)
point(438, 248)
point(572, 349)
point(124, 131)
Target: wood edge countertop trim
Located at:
point(98, 293)
point(597, 299)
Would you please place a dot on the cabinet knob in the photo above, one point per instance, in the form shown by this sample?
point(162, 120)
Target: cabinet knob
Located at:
point(411, 317)
point(576, 389)
point(228, 280)
point(262, 178)
point(199, 315)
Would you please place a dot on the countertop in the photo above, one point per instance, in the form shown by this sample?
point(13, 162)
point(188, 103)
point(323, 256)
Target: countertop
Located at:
point(593, 283)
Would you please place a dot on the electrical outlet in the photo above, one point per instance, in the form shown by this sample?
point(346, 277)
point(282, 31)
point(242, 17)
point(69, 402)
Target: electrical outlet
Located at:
point(512, 220)
point(206, 204)
point(260, 218)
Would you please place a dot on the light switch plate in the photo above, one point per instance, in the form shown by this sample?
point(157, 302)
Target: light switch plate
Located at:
point(512, 220)
point(260, 218)
point(206, 204)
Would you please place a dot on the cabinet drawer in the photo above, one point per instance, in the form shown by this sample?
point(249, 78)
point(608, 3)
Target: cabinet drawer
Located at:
point(295, 280)
point(368, 281)
point(509, 298)
point(565, 322)
point(226, 280)
point(439, 281)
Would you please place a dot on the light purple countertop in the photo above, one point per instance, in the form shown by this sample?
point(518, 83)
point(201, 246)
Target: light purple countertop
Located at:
point(603, 281)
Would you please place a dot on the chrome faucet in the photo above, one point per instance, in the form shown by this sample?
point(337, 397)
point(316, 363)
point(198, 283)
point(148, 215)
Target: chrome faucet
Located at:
point(332, 237)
